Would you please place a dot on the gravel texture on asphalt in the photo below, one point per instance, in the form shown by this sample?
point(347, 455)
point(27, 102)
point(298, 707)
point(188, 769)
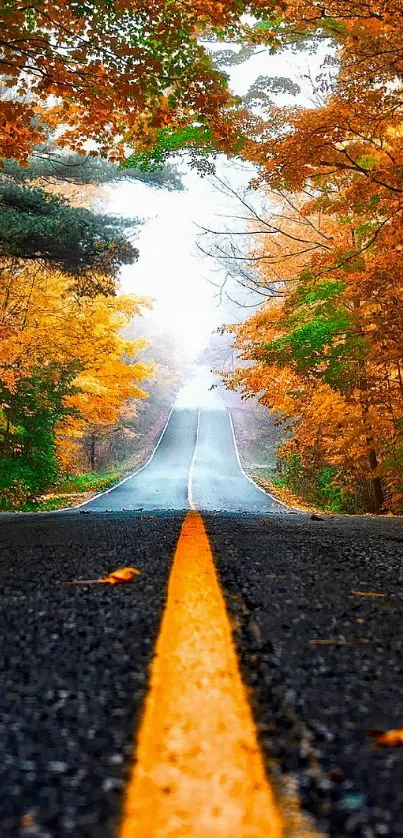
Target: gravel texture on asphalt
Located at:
point(75, 661)
point(74, 665)
point(288, 581)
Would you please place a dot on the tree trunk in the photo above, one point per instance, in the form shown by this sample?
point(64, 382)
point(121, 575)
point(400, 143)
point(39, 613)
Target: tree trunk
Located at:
point(376, 483)
point(92, 451)
point(375, 480)
point(399, 372)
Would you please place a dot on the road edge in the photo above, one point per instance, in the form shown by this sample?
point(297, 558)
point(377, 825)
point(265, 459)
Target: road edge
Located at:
point(268, 494)
point(128, 476)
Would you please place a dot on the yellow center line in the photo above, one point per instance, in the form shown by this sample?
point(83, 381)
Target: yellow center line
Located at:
point(199, 771)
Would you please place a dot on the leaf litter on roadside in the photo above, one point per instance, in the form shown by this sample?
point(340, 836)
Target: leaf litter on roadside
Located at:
point(386, 738)
point(123, 575)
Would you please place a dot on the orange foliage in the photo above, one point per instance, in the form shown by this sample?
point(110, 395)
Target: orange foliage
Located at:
point(112, 72)
point(44, 323)
point(329, 356)
point(327, 353)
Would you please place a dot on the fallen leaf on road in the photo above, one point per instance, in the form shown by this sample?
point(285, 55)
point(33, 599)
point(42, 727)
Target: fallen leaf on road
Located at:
point(366, 593)
point(386, 738)
point(116, 577)
point(28, 821)
point(123, 574)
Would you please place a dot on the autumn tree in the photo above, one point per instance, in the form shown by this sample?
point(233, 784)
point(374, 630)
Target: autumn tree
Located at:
point(333, 326)
point(115, 72)
point(330, 249)
point(139, 81)
point(65, 366)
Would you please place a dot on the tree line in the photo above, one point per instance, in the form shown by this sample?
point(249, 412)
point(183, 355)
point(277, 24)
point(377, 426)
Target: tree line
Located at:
point(139, 81)
point(325, 349)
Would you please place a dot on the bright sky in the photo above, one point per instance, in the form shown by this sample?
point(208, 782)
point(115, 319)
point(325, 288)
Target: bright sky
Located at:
point(170, 268)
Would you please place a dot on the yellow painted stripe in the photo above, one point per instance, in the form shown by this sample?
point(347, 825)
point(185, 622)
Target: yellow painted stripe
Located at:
point(199, 772)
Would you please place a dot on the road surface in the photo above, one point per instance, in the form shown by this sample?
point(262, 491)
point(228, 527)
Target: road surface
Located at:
point(316, 610)
point(196, 464)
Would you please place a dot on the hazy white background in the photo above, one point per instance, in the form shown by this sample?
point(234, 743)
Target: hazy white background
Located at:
point(170, 268)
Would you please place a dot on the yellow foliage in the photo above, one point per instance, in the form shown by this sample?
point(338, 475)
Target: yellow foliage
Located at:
point(43, 322)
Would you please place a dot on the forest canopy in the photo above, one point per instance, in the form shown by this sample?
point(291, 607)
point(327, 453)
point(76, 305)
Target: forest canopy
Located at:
point(325, 350)
point(123, 88)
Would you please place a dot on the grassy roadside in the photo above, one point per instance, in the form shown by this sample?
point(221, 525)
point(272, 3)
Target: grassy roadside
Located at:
point(258, 436)
point(73, 490)
point(265, 479)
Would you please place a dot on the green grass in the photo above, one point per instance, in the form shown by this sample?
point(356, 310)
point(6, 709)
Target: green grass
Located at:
point(318, 490)
point(68, 490)
point(89, 482)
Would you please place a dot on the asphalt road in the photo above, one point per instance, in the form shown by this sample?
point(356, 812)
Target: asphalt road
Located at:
point(195, 464)
point(217, 481)
point(74, 664)
point(163, 483)
point(323, 662)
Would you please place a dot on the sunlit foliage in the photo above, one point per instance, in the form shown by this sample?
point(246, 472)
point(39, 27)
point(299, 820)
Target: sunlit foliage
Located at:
point(329, 352)
point(65, 367)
